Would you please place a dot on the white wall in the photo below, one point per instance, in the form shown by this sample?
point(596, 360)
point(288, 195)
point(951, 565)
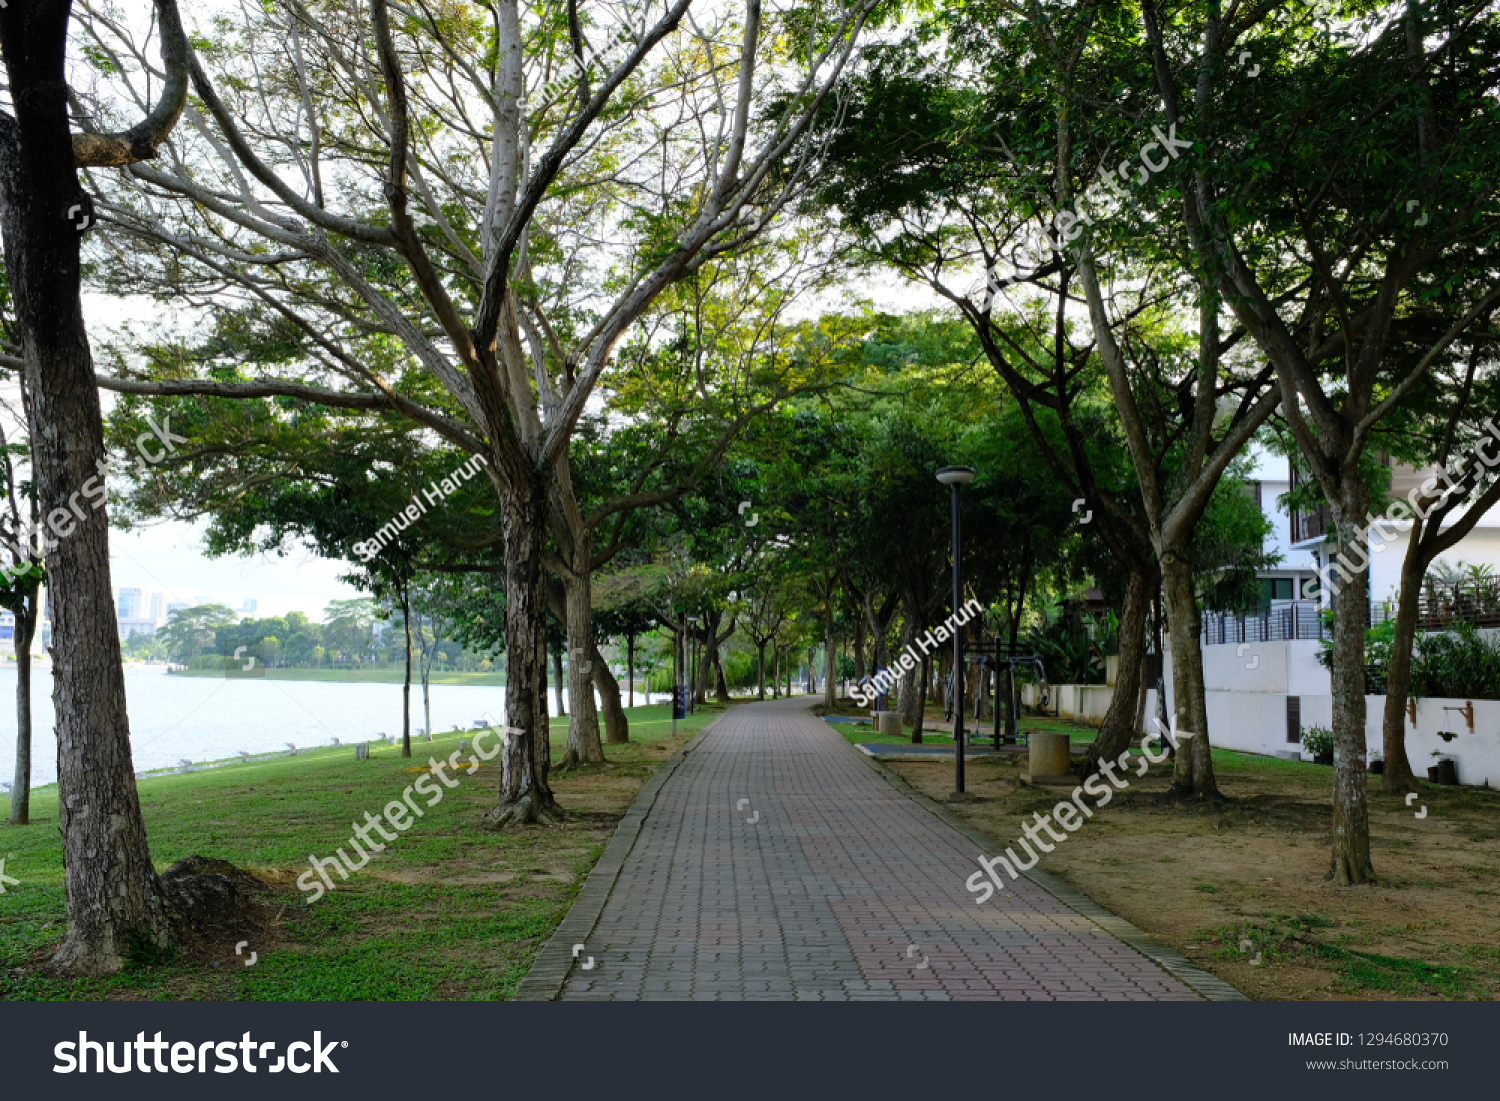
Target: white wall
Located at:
point(1084, 702)
point(1247, 710)
point(1275, 477)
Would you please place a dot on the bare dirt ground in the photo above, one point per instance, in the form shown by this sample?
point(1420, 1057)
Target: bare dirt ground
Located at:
point(1207, 878)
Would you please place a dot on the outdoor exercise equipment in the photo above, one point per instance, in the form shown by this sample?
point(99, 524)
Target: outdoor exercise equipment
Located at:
point(1001, 660)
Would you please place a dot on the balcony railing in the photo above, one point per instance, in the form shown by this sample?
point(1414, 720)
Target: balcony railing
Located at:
point(1441, 606)
point(1311, 525)
point(1274, 623)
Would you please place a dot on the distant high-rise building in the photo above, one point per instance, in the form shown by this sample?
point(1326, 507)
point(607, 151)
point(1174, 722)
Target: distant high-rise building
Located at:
point(129, 606)
point(175, 604)
point(250, 605)
point(157, 614)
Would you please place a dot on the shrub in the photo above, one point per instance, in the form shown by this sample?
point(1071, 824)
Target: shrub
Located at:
point(1317, 740)
point(1459, 664)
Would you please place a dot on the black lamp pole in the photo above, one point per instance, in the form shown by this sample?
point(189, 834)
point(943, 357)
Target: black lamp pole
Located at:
point(955, 476)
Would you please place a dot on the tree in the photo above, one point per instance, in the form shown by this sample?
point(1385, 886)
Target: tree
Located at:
point(1441, 520)
point(19, 593)
point(432, 624)
point(1013, 151)
point(114, 895)
point(935, 209)
point(347, 625)
point(763, 613)
point(502, 381)
point(189, 632)
point(1334, 282)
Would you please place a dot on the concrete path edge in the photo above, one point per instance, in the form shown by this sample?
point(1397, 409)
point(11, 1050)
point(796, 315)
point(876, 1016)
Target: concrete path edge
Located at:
point(550, 970)
point(1177, 965)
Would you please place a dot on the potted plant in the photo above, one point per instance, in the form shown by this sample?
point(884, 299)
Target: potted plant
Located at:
point(1318, 740)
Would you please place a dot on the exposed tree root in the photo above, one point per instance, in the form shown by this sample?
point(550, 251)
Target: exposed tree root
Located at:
point(525, 811)
point(573, 760)
point(1346, 873)
point(202, 899)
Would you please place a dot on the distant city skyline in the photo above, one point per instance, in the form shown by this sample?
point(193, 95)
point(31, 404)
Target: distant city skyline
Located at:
point(135, 604)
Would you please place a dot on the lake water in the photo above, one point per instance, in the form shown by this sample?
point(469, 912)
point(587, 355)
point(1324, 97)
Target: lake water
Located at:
point(209, 718)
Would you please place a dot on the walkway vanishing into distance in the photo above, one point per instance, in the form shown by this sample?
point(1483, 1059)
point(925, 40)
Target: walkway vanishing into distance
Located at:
point(774, 863)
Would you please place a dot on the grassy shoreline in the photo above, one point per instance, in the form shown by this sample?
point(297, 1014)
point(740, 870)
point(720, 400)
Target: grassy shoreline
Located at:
point(449, 911)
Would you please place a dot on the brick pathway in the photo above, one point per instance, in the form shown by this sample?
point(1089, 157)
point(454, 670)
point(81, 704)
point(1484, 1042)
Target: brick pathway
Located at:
point(828, 884)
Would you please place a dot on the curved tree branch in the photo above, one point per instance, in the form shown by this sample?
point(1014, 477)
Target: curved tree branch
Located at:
point(141, 141)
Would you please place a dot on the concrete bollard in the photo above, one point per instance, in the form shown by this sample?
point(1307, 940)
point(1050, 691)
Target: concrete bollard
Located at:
point(1048, 758)
point(889, 723)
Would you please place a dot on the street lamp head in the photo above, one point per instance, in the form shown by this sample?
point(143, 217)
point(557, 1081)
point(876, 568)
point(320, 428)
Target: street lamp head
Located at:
point(956, 475)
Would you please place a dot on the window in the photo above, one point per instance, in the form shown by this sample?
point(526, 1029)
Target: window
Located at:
point(1294, 720)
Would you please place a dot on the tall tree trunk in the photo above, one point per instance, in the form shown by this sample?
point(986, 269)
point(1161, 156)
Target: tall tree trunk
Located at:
point(630, 667)
point(525, 796)
point(113, 892)
point(584, 747)
point(1117, 729)
point(776, 672)
point(1350, 862)
point(616, 722)
point(701, 673)
point(616, 725)
point(1396, 776)
point(760, 670)
point(406, 684)
point(1193, 769)
point(427, 656)
point(721, 682)
point(830, 689)
point(557, 680)
point(909, 691)
point(20, 792)
point(861, 631)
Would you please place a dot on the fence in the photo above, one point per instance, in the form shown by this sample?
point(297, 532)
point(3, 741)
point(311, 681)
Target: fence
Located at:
point(1442, 604)
point(1273, 623)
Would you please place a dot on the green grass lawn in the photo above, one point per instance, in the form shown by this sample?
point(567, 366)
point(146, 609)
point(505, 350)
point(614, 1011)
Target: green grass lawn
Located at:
point(448, 911)
point(863, 732)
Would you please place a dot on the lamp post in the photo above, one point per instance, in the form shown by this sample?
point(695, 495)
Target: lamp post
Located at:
point(956, 476)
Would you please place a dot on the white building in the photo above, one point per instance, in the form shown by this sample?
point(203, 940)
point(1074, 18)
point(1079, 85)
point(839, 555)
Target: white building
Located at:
point(1261, 671)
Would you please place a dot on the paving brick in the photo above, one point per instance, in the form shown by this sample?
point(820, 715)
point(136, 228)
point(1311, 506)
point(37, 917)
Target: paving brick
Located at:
point(837, 892)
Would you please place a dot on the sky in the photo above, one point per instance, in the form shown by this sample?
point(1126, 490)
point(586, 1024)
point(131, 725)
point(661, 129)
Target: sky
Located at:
point(169, 558)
